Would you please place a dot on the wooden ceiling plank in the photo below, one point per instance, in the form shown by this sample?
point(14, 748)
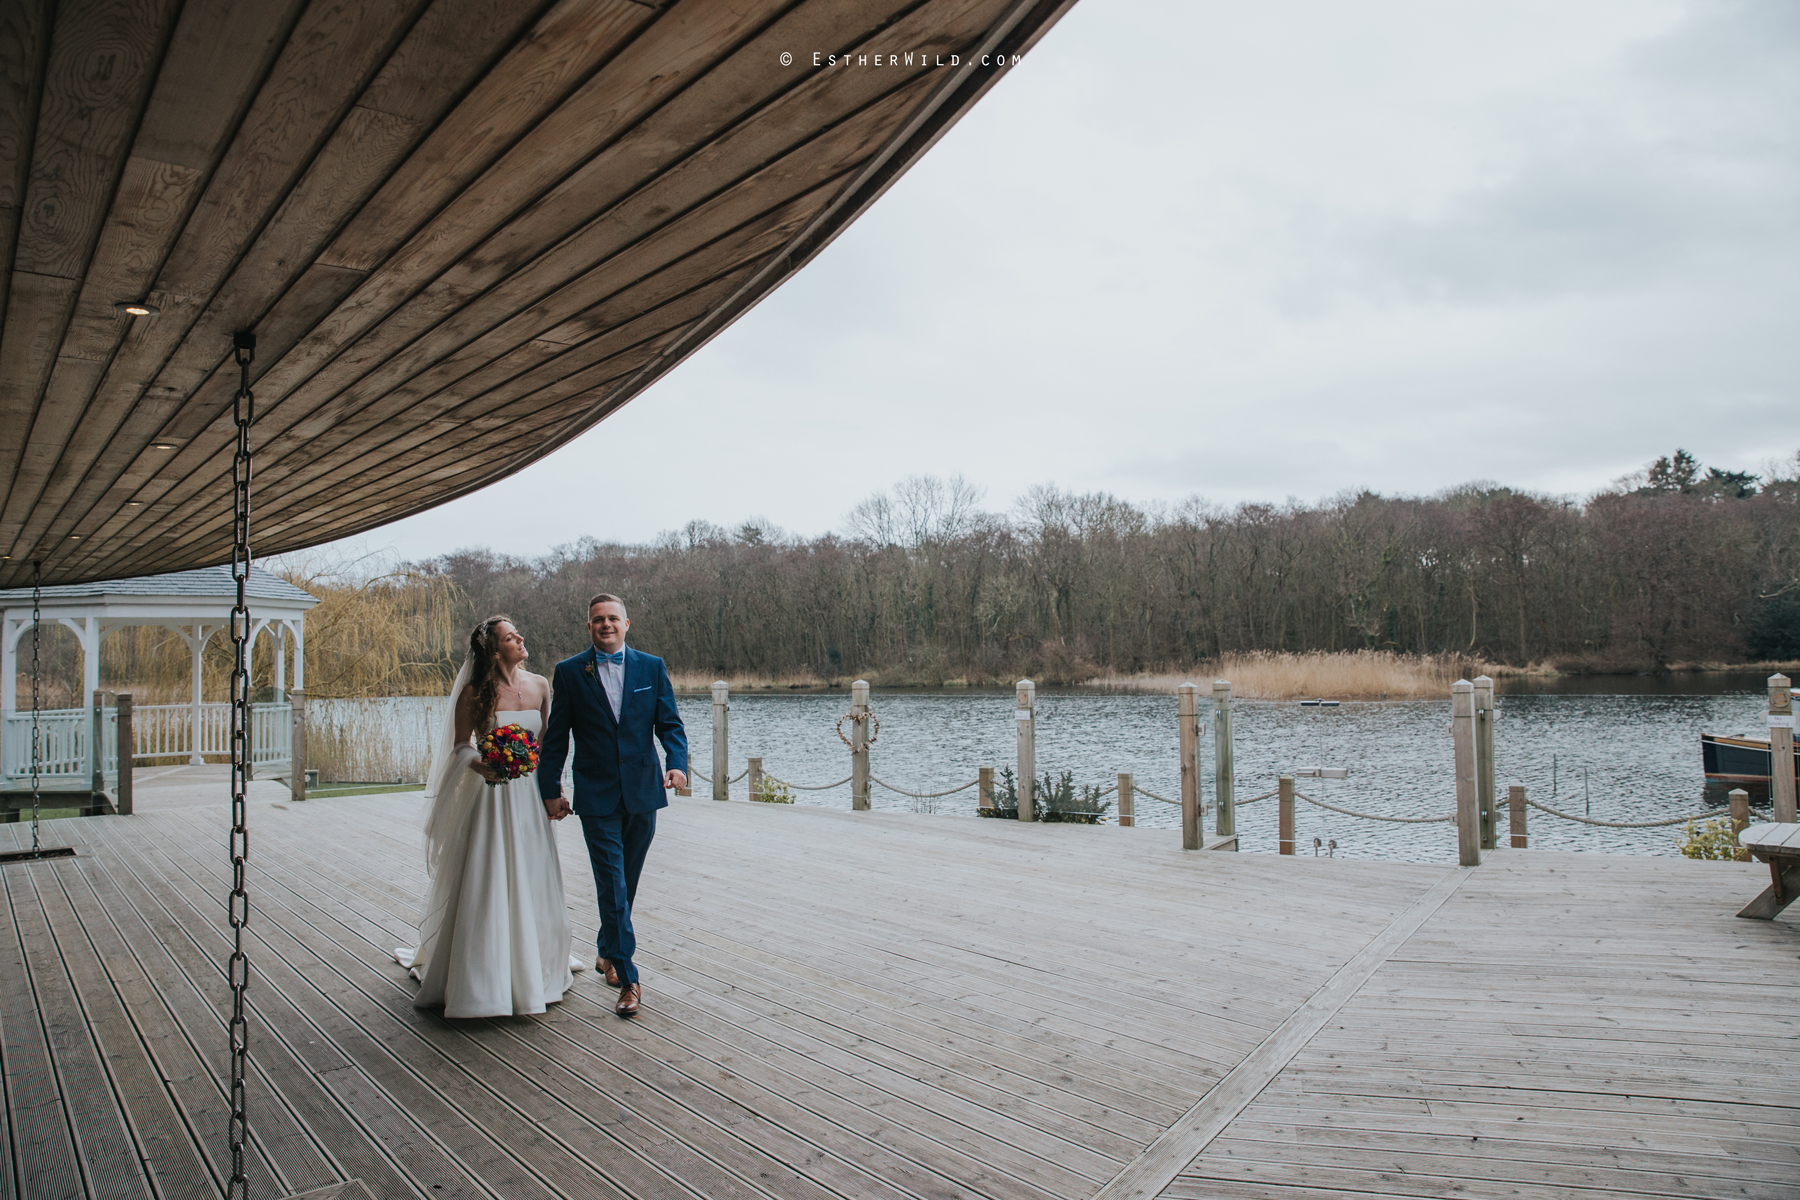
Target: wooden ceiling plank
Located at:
point(218, 51)
point(152, 200)
point(380, 500)
point(534, 371)
point(383, 395)
point(714, 169)
point(751, 242)
point(100, 65)
point(361, 155)
point(665, 57)
point(558, 54)
point(37, 312)
point(658, 63)
point(219, 54)
point(706, 115)
point(480, 345)
point(705, 107)
point(333, 428)
point(24, 55)
point(651, 324)
point(352, 164)
point(330, 54)
point(103, 60)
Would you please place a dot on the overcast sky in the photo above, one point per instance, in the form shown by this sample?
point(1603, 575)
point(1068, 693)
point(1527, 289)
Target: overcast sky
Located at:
point(1254, 252)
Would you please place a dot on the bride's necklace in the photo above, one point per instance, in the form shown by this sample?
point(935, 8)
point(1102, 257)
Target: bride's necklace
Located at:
point(511, 692)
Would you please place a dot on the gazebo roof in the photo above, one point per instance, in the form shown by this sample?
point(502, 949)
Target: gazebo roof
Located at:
point(443, 221)
point(213, 587)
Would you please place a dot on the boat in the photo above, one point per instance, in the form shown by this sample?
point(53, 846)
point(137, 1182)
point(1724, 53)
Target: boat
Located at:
point(1737, 758)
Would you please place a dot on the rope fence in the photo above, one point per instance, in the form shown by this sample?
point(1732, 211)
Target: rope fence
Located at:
point(1373, 817)
point(695, 772)
point(924, 795)
point(802, 787)
point(1619, 824)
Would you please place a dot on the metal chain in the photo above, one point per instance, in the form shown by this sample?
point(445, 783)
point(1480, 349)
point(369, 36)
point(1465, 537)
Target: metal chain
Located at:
point(37, 752)
point(244, 347)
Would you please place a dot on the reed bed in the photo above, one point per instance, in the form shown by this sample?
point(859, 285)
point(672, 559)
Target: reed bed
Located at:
point(745, 681)
point(372, 741)
point(1349, 675)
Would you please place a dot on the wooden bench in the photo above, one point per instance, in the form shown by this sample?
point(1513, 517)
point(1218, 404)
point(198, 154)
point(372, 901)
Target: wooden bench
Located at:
point(1779, 846)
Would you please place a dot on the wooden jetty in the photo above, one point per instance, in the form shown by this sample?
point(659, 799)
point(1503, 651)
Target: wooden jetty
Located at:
point(894, 1006)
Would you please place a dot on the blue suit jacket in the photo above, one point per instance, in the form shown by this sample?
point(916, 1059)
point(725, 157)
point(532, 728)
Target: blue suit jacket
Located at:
point(615, 761)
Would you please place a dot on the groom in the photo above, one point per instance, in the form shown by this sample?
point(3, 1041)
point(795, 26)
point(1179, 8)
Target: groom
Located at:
point(613, 699)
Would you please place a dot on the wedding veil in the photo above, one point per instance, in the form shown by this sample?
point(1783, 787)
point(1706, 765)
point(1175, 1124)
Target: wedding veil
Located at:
point(451, 789)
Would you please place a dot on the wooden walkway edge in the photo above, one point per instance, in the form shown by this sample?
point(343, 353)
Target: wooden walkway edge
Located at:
point(1154, 1169)
point(841, 1006)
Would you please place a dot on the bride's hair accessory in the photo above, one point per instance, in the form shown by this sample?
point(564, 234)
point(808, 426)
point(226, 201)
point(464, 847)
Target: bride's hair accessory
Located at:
point(484, 671)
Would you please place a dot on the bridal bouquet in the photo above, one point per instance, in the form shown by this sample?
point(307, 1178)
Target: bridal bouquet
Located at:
point(509, 751)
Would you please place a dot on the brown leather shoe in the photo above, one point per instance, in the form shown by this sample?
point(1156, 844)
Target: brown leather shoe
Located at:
point(629, 996)
point(612, 976)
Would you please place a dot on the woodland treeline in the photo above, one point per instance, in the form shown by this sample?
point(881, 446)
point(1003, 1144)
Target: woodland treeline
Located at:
point(1677, 565)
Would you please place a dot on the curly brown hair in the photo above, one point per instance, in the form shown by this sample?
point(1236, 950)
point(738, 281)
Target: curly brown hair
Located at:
point(484, 668)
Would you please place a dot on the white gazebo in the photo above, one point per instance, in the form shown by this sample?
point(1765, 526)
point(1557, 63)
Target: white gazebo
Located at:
point(197, 605)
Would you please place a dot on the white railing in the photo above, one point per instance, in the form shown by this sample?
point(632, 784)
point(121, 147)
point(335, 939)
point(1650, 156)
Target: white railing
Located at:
point(158, 731)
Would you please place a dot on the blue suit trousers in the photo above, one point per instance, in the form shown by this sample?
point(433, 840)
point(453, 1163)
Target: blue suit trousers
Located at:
point(617, 844)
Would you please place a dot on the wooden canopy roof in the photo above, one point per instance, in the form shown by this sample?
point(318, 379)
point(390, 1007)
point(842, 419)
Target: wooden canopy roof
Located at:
point(441, 218)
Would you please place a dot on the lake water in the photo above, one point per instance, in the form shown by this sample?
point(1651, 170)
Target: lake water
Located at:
point(1621, 757)
point(1614, 757)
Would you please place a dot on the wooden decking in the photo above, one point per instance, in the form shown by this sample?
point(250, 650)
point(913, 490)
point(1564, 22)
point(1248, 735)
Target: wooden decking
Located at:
point(886, 1006)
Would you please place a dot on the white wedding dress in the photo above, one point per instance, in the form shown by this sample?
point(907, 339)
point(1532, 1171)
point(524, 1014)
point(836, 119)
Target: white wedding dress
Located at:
point(494, 941)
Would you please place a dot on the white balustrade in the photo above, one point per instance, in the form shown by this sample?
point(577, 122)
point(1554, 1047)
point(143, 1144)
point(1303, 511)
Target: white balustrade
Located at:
point(158, 731)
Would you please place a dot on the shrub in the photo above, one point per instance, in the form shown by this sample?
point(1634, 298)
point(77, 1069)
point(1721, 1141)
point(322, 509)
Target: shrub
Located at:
point(1714, 839)
point(773, 792)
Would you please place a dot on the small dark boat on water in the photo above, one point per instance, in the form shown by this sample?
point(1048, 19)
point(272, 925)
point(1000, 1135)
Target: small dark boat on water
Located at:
point(1736, 760)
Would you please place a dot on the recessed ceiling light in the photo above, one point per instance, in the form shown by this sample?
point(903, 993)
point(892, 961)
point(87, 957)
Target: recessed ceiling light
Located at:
point(164, 446)
point(134, 504)
point(74, 537)
point(136, 308)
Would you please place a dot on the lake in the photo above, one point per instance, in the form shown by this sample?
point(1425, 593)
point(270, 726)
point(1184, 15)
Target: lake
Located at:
point(1616, 755)
point(1630, 757)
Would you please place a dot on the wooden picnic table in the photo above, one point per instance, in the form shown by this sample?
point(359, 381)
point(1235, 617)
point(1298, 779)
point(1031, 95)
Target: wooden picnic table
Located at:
point(1778, 844)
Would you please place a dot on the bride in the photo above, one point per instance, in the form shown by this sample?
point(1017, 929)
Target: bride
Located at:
point(495, 938)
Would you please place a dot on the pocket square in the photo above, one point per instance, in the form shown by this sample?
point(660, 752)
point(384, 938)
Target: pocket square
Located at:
point(645, 688)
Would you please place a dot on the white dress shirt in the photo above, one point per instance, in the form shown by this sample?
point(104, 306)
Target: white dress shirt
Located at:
point(612, 680)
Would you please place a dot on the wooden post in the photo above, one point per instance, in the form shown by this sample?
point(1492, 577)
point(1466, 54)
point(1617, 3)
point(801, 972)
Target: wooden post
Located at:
point(1127, 814)
point(297, 751)
point(755, 779)
point(1515, 804)
point(1285, 798)
point(984, 789)
point(1740, 818)
point(1025, 718)
point(1462, 729)
point(859, 745)
point(1486, 794)
point(1223, 776)
point(721, 747)
point(97, 748)
point(127, 750)
point(1781, 747)
point(1188, 707)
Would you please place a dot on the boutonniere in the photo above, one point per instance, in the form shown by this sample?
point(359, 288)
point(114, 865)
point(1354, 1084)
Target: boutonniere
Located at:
point(590, 670)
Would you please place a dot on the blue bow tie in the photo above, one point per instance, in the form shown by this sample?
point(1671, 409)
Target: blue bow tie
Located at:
point(617, 656)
